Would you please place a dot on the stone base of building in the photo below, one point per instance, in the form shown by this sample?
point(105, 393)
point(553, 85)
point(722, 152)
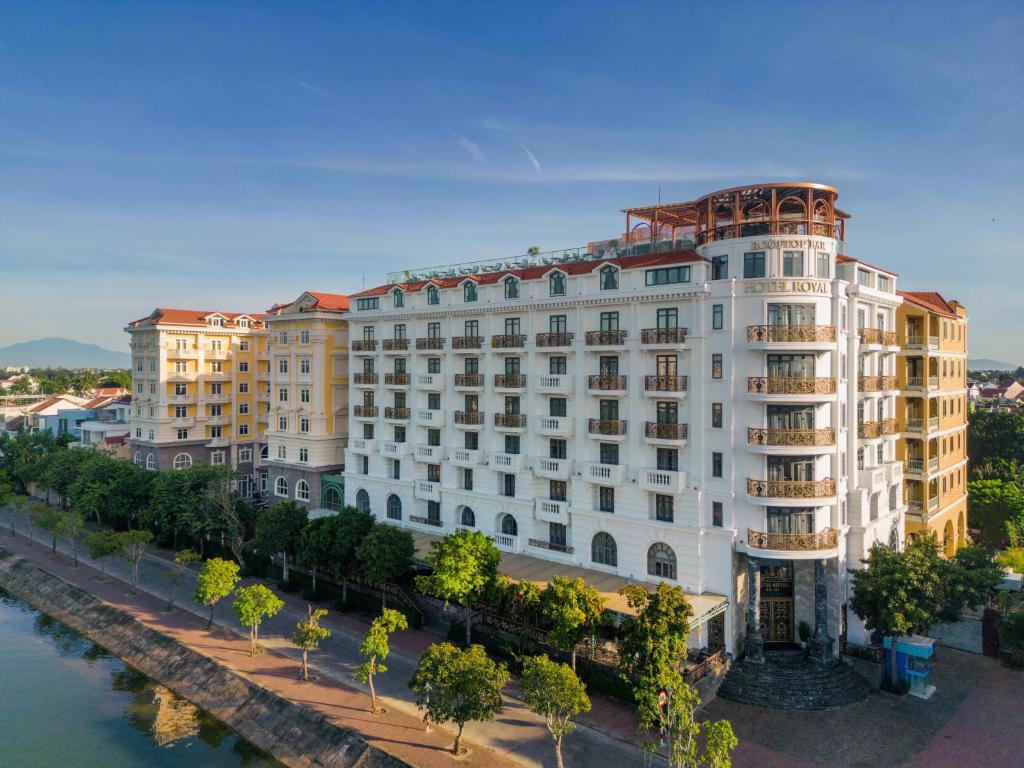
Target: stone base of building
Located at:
point(322, 494)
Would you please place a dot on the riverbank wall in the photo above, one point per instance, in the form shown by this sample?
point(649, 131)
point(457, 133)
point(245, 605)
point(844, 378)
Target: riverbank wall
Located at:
point(297, 736)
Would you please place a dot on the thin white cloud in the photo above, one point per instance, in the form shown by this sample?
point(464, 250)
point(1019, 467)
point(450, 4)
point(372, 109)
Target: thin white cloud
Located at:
point(533, 158)
point(472, 149)
point(315, 89)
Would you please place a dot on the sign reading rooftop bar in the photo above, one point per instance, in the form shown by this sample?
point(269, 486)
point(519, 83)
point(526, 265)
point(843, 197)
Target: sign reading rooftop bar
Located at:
point(767, 245)
point(786, 286)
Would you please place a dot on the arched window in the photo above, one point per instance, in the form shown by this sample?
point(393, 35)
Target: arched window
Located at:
point(302, 490)
point(182, 460)
point(265, 451)
point(556, 284)
point(661, 561)
point(948, 539)
point(433, 295)
point(398, 297)
point(894, 538)
point(331, 499)
point(469, 292)
point(281, 487)
point(468, 518)
point(609, 278)
point(511, 288)
point(821, 211)
point(151, 461)
point(362, 500)
point(138, 458)
point(509, 526)
point(394, 507)
point(603, 549)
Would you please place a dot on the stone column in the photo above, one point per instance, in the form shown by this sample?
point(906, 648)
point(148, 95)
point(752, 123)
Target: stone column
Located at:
point(755, 643)
point(821, 643)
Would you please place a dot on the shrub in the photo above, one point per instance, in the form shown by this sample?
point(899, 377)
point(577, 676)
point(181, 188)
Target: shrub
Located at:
point(1012, 558)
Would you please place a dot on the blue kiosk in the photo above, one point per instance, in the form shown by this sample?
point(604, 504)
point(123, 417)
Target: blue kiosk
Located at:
point(914, 657)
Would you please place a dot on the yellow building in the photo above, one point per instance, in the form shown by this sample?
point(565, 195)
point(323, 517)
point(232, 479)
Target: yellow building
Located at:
point(933, 416)
point(194, 383)
point(306, 394)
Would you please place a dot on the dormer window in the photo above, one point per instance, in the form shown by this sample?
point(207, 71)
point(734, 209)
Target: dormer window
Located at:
point(399, 297)
point(511, 288)
point(556, 284)
point(609, 278)
point(243, 322)
point(217, 322)
point(469, 292)
point(433, 295)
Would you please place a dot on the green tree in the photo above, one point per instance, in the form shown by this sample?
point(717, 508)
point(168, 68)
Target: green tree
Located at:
point(553, 691)
point(279, 529)
point(375, 649)
point(384, 554)
point(458, 686)
point(49, 519)
point(464, 564)
point(308, 635)
point(995, 435)
point(251, 606)
point(676, 721)
point(62, 471)
point(91, 488)
point(350, 528)
point(575, 610)
point(969, 578)
point(71, 526)
point(174, 576)
point(316, 545)
point(101, 545)
point(216, 580)
point(231, 515)
point(990, 503)
point(132, 547)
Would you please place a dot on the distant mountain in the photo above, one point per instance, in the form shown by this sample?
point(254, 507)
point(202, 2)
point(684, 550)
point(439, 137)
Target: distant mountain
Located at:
point(62, 353)
point(985, 364)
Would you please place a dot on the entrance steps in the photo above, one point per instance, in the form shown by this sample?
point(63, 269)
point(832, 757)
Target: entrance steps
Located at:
point(788, 680)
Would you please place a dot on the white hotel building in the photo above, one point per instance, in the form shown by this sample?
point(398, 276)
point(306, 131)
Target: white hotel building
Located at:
point(705, 401)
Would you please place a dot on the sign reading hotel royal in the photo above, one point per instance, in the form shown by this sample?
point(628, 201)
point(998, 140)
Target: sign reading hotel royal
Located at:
point(820, 287)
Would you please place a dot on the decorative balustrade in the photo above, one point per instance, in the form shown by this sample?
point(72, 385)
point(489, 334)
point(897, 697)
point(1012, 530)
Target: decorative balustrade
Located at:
point(889, 383)
point(425, 520)
point(510, 420)
point(791, 437)
point(890, 427)
point(791, 489)
point(510, 380)
point(551, 545)
point(781, 334)
point(869, 430)
point(554, 339)
point(467, 342)
point(396, 379)
point(869, 383)
point(469, 417)
point(914, 465)
point(663, 335)
point(605, 338)
point(870, 336)
point(366, 411)
point(793, 542)
point(658, 431)
point(791, 385)
point(508, 340)
point(607, 382)
point(915, 424)
point(364, 345)
point(396, 413)
point(430, 342)
point(606, 426)
point(365, 377)
point(396, 345)
point(665, 383)
point(915, 382)
point(469, 379)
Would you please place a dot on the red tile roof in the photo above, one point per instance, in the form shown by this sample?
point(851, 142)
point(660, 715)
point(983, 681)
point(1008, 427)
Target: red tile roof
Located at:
point(534, 273)
point(929, 300)
point(332, 302)
point(193, 317)
point(52, 400)
point(13, 424)
point(96, 402)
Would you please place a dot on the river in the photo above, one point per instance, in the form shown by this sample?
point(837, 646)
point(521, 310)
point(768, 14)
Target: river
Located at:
point(65, 701)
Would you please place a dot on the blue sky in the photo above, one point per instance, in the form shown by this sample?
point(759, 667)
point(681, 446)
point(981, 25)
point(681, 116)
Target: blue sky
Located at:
point(225, 156)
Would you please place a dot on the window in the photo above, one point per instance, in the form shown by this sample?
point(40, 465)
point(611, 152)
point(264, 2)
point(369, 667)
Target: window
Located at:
point(511, 288)
point(362, 500)
point(793, 263)
point(304, 395)
point(282, 338)
point(282, 452)
point(243, 366)
point(182, 434)
point(303, 337)
point(304, 424)
point(281, 487)
point(512, 326)
point(864, 277)
point(557, 490)
point(468, 518)
point(609, 321)
point(394, 507)
point(885, 283)
point(753, 264)
point(663, 510)
point(603, 550)
point(151, 461)
point(398, 298)
point(557, 366)
point(244, 455)
point(243, 388)
point(217, 457)
point(182, 460)
point(609, 453)
point(368, 333)
point(606, 499)
point(717, 317)
point(217, 322)
point(304, 365)
point(433, 365)
point(609, 278)
point(471, 328)
point(661, 561)
point(467, 479)
point(557, 406)
point(668, 318)
point(557, 448)
point(433, 330)
point(716, 415)
point(302, 490)
point(469, 291)
point(509, 526)
point(433, 295)
point(282, 394)
point(717, 514)
point(719, 267)
point(667, 276)
point(282, 365)
point(716, 366)
point(556, 534)
point(282, 423)
point(557, 324)
point(556, 284)
point(668, 459)
point(399, 331)
point(823, 268)
point(508, 485)
point(137, 460)
point(365, 304)
point(716, 464)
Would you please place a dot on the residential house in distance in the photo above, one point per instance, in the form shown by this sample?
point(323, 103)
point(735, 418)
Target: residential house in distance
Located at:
point(70, 420)
point(109, 428)
point(933, 412)
point(45, 415)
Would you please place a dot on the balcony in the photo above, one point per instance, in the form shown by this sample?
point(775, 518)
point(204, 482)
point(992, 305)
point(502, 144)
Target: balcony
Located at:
point(263, 376)
point(607, 383)
point(183, 421)
point(665, 386)
point(181, 399)
point(217, 354)
point(878, 337)
point(791, 385)
point(506, 542)
point(427, 490)
point(785, 438)
point(657, 432)
point(469, 418)
point(363, 346)
point(175, 353)
point(396, 345)
point(605, 338)
point(869, 430)
point(551, 511)
point(557, 426)
point(181, 376)
point(662, 481)
point(553, 469)
point(877, 383)
point(915, 382)
point(545, 340)
point(551, 546)
point(396, 413)
point(603, 474)
point(510, 421)
point(217, 375)
point(427, 417)
point(431, 381)
point(791, 489)
point(914, 466)
point(607, 427)
point(791, 334)
point(467, 343)
point(394, 450)
point(220, 419)
point(363, 445)
point(217, 397)
point(430, 343)
point(663, 336)
point(933, 382)
point(509, 381)
point(507, 462)
point(396, 379)
point(469, 380)
point(431, 521)
point(218, 442)
point(365, 411)
point(464, 457)
point(915, 424)
point(824, 540)
point(365, 379)
point(508, 341)
point(553, 384)
point(890, 427)
point(263, 396)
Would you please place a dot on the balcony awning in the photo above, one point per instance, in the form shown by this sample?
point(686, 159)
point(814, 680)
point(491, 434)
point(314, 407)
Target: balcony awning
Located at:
point(541, 572)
